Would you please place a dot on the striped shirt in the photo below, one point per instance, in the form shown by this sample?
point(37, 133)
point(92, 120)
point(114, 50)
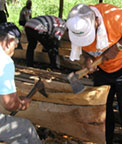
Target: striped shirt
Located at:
point(50, 24)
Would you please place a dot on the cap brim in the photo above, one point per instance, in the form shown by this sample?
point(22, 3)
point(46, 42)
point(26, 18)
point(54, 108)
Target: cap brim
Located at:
point(80, 40)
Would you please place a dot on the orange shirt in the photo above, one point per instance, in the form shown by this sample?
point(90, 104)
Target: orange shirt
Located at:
point(112, 17)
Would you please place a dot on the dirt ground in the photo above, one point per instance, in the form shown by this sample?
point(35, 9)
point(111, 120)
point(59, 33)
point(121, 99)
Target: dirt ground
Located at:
point(51, 137)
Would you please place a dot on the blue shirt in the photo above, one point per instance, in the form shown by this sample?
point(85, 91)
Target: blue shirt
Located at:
point(7, 71)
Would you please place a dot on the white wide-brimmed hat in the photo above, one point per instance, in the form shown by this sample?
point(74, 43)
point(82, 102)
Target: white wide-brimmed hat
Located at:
point(81, 25)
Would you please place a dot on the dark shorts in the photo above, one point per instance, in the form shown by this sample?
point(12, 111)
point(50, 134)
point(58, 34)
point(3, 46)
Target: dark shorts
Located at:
point(22, 23)
point(3, 17)
point(103, 78)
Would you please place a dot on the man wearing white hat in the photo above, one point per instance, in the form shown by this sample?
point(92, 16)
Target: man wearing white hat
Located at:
point(97, 29)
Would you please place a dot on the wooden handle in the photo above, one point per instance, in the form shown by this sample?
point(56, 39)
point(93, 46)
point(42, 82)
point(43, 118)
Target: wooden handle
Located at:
point(85, 71)
point(31, 93)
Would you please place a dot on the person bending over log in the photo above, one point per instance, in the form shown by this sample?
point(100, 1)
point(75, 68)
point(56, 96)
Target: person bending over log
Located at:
point(13, 130)
point(97, 29)
point(48, 30)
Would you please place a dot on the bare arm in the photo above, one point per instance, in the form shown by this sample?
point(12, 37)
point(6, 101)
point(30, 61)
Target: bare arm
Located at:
point(12, 102)
point(112, 51)
point(108, 54)
point(88, 60)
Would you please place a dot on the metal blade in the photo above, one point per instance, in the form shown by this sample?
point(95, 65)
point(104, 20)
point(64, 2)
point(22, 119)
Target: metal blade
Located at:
point(76, 83)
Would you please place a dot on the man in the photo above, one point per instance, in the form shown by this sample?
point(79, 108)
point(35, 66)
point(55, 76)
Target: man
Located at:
point(25, 13)
point(12, 129)
point(48, 30)
point(97, 29)
point(3, 11)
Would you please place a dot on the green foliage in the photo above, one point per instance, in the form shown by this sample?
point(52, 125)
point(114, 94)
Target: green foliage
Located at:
point(114, 2)
point(68, 4)
point(48, 7)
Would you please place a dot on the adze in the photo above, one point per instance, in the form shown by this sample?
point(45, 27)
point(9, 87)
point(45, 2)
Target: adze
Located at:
point(39, 86)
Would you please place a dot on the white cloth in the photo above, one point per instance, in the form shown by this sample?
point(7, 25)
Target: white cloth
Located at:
point(102, 38)
point(76, 51)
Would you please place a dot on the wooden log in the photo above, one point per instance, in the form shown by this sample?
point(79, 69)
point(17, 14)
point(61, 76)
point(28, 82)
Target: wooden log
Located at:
point(79, 115)
point(59, 91)
point(22, 71)
point(83, 122)
point(91, 96)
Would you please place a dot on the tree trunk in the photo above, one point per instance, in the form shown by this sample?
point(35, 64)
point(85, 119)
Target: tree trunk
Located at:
point(61, 8)
point(100, 1)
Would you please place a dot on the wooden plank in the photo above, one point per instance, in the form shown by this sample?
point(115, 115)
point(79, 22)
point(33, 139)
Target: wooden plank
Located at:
point(83, 122)
point(58, 88)
point(29, 72)
point(90, 96)
point(22, 71)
